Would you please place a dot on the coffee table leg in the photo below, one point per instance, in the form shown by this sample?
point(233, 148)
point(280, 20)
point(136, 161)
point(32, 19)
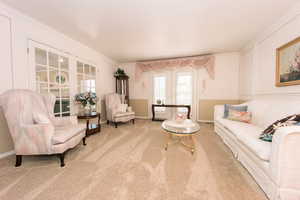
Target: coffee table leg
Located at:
point(169, 138)
point(192, 144)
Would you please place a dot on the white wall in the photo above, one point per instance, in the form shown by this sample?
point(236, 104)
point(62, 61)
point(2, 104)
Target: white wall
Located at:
point(25, 28)
point(224, 86)
point(246, 73)
point(258, 60)
point(226, 82)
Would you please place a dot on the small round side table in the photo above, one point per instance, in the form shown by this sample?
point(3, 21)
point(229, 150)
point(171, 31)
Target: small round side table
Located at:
point(91, 128)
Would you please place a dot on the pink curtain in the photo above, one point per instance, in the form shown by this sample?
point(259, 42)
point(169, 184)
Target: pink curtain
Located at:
point(196, 62)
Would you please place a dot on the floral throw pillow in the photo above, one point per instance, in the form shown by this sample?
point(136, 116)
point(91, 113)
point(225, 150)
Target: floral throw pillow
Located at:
point(241, 116)
point(243, 108)
point(267, 134)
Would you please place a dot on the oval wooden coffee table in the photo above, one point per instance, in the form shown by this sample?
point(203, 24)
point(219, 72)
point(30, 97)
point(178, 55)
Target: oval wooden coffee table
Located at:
point(184, 130)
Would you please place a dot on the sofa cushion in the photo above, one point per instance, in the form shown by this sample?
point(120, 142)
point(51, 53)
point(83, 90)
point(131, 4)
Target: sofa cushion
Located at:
point(65, 133)
point(248, 136)
point(40, 118)
point(229, 124)
point(250, 139)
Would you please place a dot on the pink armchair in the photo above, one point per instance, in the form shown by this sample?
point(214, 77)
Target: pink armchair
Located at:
point(34, 128)
point(115, 112)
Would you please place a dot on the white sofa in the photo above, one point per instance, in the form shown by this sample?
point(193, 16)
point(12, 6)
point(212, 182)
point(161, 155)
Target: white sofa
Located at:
point(275, 166)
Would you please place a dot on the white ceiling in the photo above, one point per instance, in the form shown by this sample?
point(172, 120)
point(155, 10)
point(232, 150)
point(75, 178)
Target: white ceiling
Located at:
point(129, 30)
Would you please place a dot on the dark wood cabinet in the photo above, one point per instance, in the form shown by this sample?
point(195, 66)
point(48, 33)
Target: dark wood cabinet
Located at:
point(122, 87)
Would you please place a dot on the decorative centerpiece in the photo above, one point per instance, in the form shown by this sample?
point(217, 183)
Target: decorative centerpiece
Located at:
point(86, 100)
point(180, 118)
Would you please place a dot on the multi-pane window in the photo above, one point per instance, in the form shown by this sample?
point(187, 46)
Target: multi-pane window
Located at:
point(159, 86)
point(86, 78)
point(52, 75)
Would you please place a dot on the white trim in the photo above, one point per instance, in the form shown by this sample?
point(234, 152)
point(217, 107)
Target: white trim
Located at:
point(142, 117)
point(296, 93)
point(205, 121)
point(6, 154)
point(293, 13)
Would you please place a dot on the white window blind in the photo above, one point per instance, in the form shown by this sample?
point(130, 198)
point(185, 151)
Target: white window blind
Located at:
point(159, 91)
point(184, 90)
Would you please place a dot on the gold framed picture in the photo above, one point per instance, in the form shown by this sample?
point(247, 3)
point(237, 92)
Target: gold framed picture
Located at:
point(288, 64)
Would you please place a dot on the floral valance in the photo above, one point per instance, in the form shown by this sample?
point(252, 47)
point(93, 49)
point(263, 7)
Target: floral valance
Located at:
point(197, 62)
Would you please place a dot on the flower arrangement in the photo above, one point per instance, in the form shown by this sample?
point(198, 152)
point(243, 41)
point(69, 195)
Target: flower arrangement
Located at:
point(86, 98)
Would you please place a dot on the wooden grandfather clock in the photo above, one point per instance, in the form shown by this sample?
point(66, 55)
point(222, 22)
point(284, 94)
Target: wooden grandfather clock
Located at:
point(122, 87)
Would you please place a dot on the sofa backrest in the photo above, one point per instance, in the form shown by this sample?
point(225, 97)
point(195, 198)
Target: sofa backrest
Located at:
point(266, 112)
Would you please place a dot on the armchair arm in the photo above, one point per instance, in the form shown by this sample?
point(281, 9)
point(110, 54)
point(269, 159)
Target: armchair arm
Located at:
point(34, 139)
point(218, 112)
point(285, 160)
point(64, 121)
point(110, 114)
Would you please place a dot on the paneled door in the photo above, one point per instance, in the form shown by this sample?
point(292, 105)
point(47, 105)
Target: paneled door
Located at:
point(6, 75)
point(175, 87)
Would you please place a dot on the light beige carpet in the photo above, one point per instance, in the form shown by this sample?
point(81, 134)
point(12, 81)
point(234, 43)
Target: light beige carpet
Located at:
point(129, 163)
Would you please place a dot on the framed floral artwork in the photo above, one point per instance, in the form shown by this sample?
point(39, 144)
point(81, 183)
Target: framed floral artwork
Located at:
point(288, 64)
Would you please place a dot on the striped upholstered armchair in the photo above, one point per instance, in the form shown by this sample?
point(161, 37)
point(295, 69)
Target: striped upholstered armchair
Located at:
point(34, 128)
point(117, 112)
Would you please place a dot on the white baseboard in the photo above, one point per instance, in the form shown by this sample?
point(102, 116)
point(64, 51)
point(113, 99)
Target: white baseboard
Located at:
point(142, 117)
point(206, 121)
point(5, 154)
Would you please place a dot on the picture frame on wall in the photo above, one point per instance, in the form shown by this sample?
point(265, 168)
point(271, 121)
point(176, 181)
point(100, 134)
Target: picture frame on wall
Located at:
point(288, 64)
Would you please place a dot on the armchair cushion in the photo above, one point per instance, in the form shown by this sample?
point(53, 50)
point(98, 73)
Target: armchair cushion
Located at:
point(63, 134)
point(123, 114)
point(122, 107)
point(40, 118)
point(64, 121)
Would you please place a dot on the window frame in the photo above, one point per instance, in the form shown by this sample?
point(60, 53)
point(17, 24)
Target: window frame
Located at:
point(85, 77)
point(52, 85)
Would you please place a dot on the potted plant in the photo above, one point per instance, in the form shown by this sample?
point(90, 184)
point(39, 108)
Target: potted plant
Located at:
point(119, 73)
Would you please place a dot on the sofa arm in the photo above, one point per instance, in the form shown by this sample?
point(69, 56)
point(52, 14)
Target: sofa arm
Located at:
point(218, 112)
point(285, 159)
point(64, 121)
point(34, 139)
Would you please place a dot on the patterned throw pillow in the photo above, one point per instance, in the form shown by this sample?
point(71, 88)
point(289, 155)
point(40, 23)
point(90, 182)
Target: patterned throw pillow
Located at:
point(240, 116)
point(267, 134)
point(233, 107)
